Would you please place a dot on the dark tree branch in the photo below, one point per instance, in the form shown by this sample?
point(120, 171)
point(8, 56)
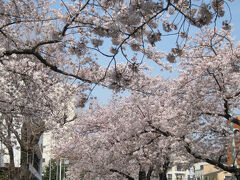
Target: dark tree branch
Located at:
point(45, 62)
point(210, 161)
point(197, 156)
point(227, 113)
point(216, 80)
point(235, 95)
point(122, 174)
point(65, 28)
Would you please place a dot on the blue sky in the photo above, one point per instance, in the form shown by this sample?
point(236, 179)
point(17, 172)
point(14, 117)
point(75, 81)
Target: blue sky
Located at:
point(104, 94)
point(235, 7)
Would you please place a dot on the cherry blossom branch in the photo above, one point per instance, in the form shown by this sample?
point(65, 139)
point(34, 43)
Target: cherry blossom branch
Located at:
point(66, 7)
point(197, 156)
point(6, 36)
point(145, 144)
point(45, 62)
point(227, 114)
point(210, 161)
point(216, 80)
point(123, 174)
point(131, 34)
point(26, 21)
point(186, 16)
point(235, 95)
point(17, 137)
point(65, 28)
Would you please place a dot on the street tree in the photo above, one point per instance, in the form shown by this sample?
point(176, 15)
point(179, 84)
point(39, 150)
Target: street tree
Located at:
point(50, 51)
point(32, 101)
point(191, 115)
point(207, 91)
point(126, 138)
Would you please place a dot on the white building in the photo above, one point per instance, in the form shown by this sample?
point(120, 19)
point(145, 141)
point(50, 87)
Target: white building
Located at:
point(47, 148)
point(4, 160)
point(199, 170)
point(48, 138)
point(178, 172)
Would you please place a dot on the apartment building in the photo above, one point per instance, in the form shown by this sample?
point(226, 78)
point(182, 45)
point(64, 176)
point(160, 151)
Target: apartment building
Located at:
point(213, 173)
point(180, 172)
point(199, 171)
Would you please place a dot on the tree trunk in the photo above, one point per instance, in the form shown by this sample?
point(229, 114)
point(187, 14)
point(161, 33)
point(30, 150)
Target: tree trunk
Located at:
point(238, 177)
point(30, 135)
point(26, 153)
point(24, 169)
point(12, 172)
point(142, 175)
point(149, 174)
point(163, 175)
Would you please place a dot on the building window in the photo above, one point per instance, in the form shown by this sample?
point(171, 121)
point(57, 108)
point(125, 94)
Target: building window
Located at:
point(228, 178)
point(169, 176)
point(180, 176)
point(180, 167)
point(201, 167)
point(191, 177)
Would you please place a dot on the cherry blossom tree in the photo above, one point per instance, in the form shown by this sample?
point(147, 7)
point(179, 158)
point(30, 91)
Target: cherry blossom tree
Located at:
point(68, 37)
point(207, 91)
point(124, 139)
point(45, 46)
point(32, 101)
point(190, 116)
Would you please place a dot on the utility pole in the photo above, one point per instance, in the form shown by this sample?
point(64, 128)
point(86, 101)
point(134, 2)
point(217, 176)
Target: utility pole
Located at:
point(60, 171)
point(50, 169)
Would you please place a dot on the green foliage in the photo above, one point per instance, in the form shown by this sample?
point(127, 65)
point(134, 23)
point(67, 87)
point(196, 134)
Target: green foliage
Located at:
point(46, 172)
point(4, 173)
point(4, 176)
point(53, 170)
